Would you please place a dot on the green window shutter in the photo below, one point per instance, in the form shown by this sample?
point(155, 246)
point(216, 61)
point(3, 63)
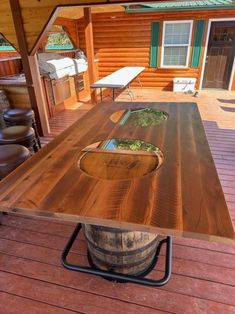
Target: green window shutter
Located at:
point(197, 45)
point(154, 44)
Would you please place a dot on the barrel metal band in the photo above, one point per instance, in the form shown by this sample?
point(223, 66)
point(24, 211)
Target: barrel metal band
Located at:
point(118, 276)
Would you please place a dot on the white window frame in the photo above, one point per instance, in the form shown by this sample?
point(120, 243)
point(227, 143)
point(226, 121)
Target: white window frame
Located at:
point(172, 45)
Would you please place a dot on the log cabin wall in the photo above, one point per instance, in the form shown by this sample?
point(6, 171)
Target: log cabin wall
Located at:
point(10, 66)
point(9, 54)
point(10, 62)
point(123, 39)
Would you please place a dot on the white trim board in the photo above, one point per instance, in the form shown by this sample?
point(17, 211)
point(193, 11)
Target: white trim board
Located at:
point(188, 45)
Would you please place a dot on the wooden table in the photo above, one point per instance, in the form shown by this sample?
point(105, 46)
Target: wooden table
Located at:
point(119, 79)
point(183, 197)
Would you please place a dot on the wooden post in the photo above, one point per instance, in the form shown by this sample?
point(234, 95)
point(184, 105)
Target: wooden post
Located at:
point(90, 51)
point(39, 94)
point(33, 82)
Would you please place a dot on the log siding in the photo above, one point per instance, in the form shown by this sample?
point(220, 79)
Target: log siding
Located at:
point(122, 39)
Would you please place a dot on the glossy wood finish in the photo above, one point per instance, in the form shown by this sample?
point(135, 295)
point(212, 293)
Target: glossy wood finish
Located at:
point(33, 280)
point(183, 197)
point(115, 165)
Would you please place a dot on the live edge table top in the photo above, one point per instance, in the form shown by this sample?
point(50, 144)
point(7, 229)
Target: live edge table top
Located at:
point(183, 197)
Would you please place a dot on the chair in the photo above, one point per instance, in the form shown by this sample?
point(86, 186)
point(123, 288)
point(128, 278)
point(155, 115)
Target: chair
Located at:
point(21, 116)
point(19, 134)
point(11, 156)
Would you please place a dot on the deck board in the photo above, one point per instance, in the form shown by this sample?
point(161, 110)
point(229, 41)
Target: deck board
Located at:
point(11, 303)
point(33, 281)
point(43, 277)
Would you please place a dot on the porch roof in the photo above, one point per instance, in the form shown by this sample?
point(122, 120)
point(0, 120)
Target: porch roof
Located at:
point(182, 5)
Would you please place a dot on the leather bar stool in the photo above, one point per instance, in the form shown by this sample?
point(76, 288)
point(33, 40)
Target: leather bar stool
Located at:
point(21, 116)
point(19, 134)
point(11, 156)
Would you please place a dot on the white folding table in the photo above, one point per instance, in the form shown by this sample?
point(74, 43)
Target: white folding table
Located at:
point(119, 79)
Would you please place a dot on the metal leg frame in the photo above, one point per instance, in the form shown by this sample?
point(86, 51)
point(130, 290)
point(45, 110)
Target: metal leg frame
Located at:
point(101, 95)
point(119, 276)
point(129, 92)
point(141, 86)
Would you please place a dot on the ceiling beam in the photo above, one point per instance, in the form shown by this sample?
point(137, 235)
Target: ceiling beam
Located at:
point(90, 51)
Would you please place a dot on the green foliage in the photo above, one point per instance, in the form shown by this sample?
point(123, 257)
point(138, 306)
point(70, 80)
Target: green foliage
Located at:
point(4, 42)
point(145, 117)
point(60, 38)
point(135, 145)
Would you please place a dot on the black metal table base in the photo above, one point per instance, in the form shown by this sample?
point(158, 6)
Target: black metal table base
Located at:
point(113, 96)
point(118, 276)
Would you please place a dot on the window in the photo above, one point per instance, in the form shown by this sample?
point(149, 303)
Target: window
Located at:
point(58, 39)
point(176, 42)
point(5, 45)
point(221, 34)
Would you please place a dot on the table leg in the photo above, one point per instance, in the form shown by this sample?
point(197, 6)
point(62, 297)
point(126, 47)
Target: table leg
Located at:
point(101, 96)
point(139, 82)
point(129, 92)
point(119, 276)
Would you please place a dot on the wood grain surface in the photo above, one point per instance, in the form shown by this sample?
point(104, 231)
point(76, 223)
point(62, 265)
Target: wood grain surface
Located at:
point(118, 164)
point(183, 197)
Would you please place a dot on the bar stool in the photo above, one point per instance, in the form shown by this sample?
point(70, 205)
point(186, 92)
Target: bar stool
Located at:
point(4, 105)
point(22, 116)
point(11, 156)
point(19, 134)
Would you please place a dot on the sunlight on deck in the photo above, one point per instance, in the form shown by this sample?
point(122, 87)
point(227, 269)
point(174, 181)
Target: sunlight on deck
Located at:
point(203, 272)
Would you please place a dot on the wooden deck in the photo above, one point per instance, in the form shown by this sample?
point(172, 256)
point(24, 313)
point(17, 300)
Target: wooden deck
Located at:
point(203, 280)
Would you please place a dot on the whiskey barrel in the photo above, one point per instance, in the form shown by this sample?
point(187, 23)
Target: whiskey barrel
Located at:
point(118, 250)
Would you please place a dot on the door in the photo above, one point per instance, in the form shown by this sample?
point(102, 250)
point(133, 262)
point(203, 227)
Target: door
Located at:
point(220, 55)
